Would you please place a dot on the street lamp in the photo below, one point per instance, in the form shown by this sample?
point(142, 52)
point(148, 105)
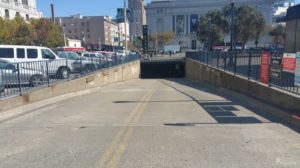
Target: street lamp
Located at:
point(209, 33)
point(65, 39)
point(83, 38)
point(232, 45)
point(125, 21)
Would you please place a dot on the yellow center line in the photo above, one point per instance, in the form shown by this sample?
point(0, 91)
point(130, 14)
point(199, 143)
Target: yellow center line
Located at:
point(112, 146)
point(123, 144)
point(123, 135)
point(121, 149)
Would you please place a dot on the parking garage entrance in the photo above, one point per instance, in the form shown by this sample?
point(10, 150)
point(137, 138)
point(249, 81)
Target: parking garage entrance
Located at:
point(167, 68)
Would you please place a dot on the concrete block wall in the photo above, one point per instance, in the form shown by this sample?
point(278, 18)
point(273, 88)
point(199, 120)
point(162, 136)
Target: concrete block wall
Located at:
point(200, 72)
point(120, 73)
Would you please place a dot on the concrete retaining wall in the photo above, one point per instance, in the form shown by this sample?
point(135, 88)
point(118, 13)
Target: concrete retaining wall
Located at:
point(120, 73)
point(203, 73)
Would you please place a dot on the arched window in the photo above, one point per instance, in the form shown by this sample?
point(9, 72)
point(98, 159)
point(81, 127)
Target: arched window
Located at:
point(160, 25)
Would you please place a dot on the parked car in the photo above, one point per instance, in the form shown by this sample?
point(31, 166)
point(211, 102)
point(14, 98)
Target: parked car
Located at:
point(15, 74)
point(98, 58)
point(48, 60)
point(121, 53)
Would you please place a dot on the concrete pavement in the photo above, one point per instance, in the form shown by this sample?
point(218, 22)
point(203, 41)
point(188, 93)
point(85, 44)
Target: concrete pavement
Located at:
point(148, 123)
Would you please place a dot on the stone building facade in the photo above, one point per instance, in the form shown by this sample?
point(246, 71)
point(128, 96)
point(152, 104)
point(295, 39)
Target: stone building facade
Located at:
point(25, 8)
point(182, 16)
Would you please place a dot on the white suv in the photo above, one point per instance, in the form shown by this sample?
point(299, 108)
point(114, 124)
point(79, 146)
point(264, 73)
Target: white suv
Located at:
point(48, 61)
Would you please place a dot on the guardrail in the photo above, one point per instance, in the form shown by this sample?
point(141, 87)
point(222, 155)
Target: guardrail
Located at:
point(17, 78)
point(248, 64)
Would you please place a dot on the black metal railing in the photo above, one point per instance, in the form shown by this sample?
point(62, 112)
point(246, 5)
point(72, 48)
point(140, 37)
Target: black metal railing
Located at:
point(17, 78)
point(246, 64)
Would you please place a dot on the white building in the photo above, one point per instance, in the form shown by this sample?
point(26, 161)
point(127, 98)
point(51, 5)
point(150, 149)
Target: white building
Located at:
point(182, 16)
point(73, 43)
point(25, 8)
point(114, 28)
point(123, 33)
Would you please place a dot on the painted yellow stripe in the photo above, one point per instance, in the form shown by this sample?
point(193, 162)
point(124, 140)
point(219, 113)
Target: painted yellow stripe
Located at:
point(122, 147)
point(122, 135)
point(120, 150)
point(112, 146)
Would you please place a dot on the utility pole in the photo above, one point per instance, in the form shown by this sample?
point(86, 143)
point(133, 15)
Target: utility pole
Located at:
point(125, 21)
point(155, 42)
point(65, 38)
point(232, 45)
point(100, 43)
point(64, 31)
point(209, 33)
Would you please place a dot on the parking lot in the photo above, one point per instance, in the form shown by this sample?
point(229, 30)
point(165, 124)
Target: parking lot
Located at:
point(26, 76)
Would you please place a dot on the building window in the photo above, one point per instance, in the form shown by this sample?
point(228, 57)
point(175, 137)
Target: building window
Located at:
point(6, 13)
point(17, 13)
point(27, 17)
point(16, 2)
point(25, 2)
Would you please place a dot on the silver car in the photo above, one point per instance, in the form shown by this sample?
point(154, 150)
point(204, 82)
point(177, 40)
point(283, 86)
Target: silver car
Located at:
point(15, 74)
point(79, 63)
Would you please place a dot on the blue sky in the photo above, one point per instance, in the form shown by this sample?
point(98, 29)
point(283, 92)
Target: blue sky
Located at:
point(84, 7)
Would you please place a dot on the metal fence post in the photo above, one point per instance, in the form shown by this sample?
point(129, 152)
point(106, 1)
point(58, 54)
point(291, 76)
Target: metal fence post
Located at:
point(100, 63)
point(225, 61)
point(249, 65)
point(81, 67)
point(207, 55)
point(218, 55)
point(47, 71)
point(19, 78)
point(235, 64)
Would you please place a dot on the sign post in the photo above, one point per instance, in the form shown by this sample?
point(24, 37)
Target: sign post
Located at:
point(297, 70)
point(264, 67)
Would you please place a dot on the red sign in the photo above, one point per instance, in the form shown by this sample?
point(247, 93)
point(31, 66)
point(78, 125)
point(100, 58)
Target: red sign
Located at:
point(74, 49)
point(289, 62)
point(264, 67)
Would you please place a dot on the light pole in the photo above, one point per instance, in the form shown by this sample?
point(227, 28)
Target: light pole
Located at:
point(83, 38)
point(209, 33)
point(232, 45)
point(65, 39)
point(125, 21)
point(64, 31)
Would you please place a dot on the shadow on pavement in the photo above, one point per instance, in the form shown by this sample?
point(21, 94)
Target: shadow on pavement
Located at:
point(223, 112)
